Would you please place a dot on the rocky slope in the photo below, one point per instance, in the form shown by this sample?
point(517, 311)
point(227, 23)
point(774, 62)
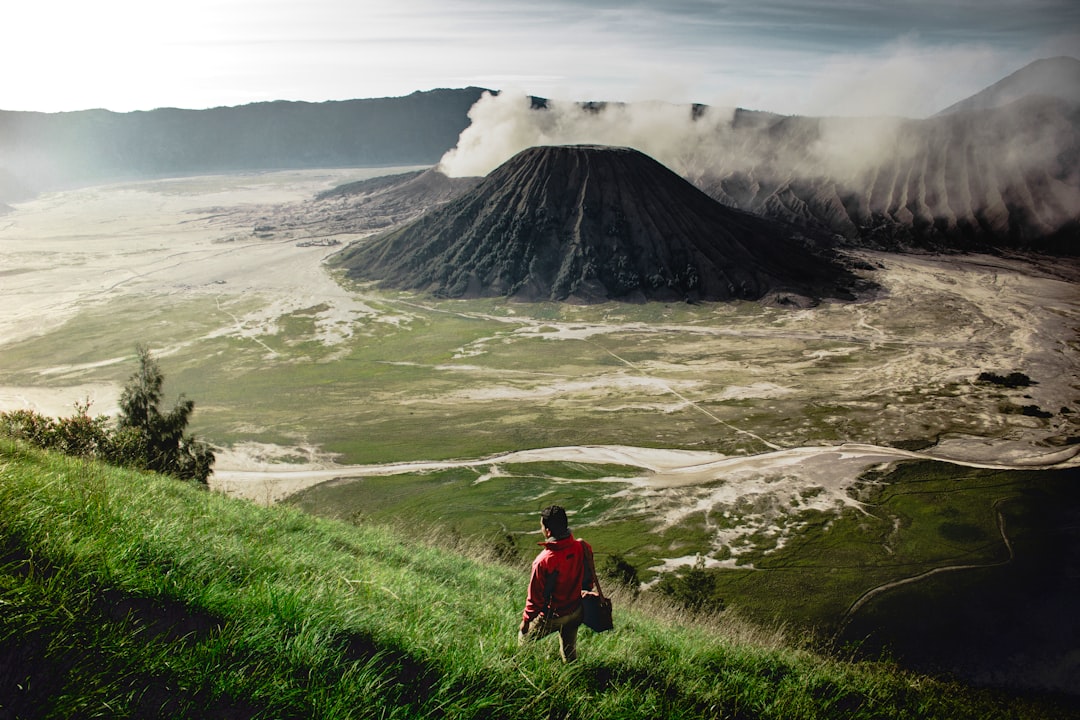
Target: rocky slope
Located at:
point(1005, 177)
point(590, 223)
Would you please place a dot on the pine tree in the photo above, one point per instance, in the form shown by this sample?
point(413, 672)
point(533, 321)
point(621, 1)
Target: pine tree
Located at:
point(156, 440)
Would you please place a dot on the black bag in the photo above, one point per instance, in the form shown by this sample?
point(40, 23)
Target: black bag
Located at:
point(597, 607)
point(597, 612)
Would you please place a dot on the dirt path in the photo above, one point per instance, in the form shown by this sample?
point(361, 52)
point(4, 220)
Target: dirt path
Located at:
point(880, 589)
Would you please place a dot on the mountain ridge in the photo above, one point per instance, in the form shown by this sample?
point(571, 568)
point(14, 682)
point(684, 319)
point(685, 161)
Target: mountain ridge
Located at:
point(43, 151)
point(1056, 77)
point(970, 180)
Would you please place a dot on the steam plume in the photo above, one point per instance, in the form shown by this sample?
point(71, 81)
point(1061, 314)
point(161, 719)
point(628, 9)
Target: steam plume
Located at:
point(505, 124)
point(694, 141)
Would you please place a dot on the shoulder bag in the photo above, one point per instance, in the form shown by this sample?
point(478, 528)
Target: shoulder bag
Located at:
point(597, 607)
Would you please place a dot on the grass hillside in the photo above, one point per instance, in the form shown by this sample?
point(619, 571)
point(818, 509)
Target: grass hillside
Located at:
point(132, 595)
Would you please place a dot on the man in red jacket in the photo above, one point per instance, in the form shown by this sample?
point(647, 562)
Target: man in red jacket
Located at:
point(559, 573)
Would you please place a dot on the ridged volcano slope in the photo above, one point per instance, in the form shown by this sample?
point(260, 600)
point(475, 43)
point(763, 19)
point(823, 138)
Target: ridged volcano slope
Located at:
point(592, 223)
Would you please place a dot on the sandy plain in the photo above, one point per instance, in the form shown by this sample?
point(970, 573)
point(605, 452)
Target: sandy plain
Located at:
point(64, 252)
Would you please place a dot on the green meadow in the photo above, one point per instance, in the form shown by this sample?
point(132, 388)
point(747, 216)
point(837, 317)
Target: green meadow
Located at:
point(917, 518)
point(129, 595)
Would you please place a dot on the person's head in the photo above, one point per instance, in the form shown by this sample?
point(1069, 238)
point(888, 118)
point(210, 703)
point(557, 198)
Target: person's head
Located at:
point(553, 519)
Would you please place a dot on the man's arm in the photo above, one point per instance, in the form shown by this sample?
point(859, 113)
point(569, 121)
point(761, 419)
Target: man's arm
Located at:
point(535, 600)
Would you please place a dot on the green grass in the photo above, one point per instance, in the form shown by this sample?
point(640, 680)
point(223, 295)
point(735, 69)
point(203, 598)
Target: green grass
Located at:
point(915, 519)
point(919, 517)
point(1026, 596)
point(130, 595)
point(461, 502)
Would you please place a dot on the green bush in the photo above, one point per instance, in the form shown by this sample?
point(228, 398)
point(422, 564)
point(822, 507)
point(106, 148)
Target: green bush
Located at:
point(695, 588)
point(142, 437)
point(1012, 380)
point(28, 426)
point(621, 572)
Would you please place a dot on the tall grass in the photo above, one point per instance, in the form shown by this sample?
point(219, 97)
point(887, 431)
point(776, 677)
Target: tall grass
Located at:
point(132, 595)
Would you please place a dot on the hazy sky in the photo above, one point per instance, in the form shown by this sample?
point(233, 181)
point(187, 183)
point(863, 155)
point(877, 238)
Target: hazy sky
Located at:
point(791, 56)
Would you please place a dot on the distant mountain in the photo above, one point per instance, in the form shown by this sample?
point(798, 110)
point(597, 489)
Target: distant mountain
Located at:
point(42, 151)
point(591, 223)
point(11, 189)
point(1053, 77)
point(998, 170)
point(970, 180)
point(400, 195)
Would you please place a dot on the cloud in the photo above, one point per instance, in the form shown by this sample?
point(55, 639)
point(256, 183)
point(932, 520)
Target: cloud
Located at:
point(779, 55)
point(504, 124)
point(693, 141)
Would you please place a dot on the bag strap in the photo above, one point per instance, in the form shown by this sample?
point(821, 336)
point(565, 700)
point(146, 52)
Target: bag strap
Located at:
point(592, 568)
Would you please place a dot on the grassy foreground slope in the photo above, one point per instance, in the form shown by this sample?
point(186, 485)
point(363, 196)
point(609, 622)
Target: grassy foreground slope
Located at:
point(132, 595)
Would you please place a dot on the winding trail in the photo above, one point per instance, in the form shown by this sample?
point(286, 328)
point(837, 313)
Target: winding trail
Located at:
point(880, 589)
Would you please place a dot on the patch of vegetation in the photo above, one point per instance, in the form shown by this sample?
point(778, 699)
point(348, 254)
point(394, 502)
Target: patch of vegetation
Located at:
point(921, 518)
point(572, 470)
point(423, 379)
point(914, 444)
point(86, 347)
point(158, 600)
point(619, 570)
point(986, 620)
point(142, 437)
point(1012, 380)
point(1025, 410)
point(693, 587)
point(464, 502)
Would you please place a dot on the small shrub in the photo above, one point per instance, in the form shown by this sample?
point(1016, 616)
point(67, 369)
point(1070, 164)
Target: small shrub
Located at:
point(621, 572)
point(694, 588)
point(28, 426)
point(81, 435)
point(1012, 380)
point(1026, 410)
point(505, 550)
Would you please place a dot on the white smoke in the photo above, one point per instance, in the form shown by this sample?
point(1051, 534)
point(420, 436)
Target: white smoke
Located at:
point(505, 124)
point(690, 141)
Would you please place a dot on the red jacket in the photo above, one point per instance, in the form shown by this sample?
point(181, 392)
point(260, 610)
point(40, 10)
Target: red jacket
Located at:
point(563, 565)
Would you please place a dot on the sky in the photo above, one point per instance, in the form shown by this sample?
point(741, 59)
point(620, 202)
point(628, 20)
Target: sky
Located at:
point(811, 57)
